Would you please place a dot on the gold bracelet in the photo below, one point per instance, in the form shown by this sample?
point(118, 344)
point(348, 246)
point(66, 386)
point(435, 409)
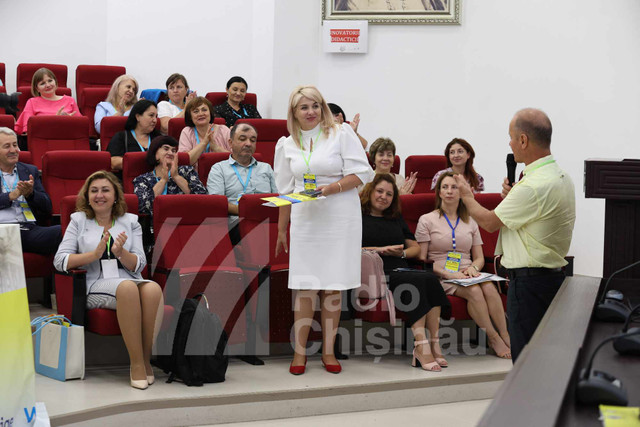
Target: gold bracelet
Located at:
point(475, 268)
point(339, 185)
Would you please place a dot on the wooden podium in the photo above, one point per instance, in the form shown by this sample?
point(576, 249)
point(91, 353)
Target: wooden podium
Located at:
point(618, 182)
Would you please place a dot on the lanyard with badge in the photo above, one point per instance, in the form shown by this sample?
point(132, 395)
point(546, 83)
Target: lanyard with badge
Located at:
point(22, 206)
point(452, 264)
point(109, 266)
point(244, 184)
point(166, 186)
point(140, 145)
point(309, 178)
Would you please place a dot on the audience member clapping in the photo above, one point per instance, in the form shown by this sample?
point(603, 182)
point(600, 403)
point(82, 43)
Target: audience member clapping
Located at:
point(166, 177)
point(460, 155)
point(200, 135)
point(45, 101)
point(340, 117)
point(106, 241)
point(122, 96)
point(383, 154)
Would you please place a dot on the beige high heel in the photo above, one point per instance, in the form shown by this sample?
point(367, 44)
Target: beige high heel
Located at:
point(428, 366)
point(139, 384)
point(438, 356)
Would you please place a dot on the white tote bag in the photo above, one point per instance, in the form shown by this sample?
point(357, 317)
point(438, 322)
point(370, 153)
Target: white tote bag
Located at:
point(59, 351)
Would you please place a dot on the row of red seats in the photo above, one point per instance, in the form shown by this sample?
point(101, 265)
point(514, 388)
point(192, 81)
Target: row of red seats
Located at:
point(92, 86)
point(48, 133)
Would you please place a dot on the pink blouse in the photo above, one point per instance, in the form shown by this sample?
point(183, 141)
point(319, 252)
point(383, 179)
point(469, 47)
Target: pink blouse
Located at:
point(188, 139)
point(39, 106)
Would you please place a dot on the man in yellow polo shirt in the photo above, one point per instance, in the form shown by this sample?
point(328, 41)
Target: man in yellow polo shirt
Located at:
point(535, 220)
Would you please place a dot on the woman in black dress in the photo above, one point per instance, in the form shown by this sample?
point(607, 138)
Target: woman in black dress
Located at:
point(421, 296)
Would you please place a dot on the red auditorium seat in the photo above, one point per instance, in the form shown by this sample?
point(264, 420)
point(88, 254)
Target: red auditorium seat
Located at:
point(427, 167)
point(207, 160)
point(3, 82)
point(95, 76)
point(7, 120)
point(91, 98)
point(24, 74)
point(71, 288)
point(193, 254)
point(269, 132)
point(396, 164)
point(25, 157)
point(49, 133)
point(414, 206)
point(217, 98)
point(64, 172)
point(109, 126)
point(135, 163)
point(264, 270)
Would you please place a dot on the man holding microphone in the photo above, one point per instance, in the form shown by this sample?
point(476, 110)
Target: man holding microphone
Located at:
point(535, 220)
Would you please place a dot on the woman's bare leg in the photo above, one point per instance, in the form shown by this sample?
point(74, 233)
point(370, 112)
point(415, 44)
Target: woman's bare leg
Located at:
point(303, 316)
point(330, 308)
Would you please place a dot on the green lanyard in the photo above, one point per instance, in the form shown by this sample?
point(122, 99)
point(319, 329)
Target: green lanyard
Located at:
point(539, 166)
point(113, 222)
point(308, 159)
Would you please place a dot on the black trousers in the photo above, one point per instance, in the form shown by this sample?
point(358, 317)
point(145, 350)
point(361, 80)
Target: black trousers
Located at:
point(527, 302)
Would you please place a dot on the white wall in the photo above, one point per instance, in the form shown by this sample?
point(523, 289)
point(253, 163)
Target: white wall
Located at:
point(420, 85)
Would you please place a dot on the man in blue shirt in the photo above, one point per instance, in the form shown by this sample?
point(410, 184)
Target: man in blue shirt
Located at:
point(23, 198)
point(241, 173)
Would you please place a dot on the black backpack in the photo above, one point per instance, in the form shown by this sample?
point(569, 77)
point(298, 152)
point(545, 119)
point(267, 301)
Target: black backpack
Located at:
point(195, 352)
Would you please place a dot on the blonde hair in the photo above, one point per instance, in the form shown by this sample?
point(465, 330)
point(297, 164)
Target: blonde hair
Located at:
point(112, 97)
point(327, 122)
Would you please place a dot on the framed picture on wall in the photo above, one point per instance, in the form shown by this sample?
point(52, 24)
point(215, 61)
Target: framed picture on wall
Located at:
point(394, 11)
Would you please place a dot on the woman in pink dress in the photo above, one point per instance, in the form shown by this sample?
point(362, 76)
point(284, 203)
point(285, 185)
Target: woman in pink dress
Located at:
point(45, 101)
point(450, 238)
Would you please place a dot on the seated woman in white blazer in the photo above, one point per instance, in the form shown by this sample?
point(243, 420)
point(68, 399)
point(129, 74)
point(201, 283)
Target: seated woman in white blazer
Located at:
point(105, 240)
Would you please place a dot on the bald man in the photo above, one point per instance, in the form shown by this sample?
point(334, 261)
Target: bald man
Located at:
point(535, 220)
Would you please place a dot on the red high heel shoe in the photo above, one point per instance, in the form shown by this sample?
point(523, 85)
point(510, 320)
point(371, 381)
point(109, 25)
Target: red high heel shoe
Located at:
point(298, 370)
point(333, 369)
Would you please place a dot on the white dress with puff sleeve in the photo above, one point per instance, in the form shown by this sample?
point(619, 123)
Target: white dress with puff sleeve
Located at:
point(326, 235)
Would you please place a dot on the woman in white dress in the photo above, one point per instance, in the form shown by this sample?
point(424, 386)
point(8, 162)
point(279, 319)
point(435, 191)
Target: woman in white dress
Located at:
point(325, 234)
point(106, 241)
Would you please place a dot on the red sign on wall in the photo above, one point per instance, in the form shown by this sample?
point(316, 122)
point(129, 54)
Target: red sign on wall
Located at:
point(344, 35)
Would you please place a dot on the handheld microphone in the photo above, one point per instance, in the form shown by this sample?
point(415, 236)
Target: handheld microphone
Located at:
point(629, 344)
point(611, 308)
point(598, 387)
point(511, 168)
